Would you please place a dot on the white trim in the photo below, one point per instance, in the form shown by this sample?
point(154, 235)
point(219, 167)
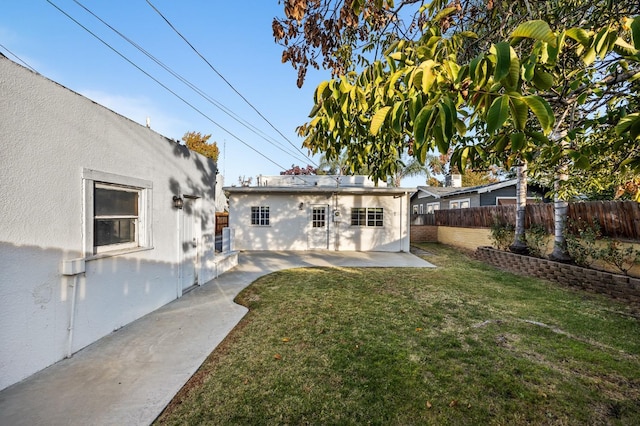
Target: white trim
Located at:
point(89, 179)
point(512, 198)
point(436, 206)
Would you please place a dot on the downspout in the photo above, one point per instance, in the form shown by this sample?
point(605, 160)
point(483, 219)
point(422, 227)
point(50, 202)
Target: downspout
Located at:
point(72, 316)
point(72, 268)
point(401, 237)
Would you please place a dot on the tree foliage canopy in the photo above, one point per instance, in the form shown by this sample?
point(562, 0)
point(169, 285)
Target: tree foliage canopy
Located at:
point(497, 82)
point(197, 142)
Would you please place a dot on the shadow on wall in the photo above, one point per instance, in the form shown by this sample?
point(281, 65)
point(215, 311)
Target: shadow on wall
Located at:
point(37, 303)
point(206, 187)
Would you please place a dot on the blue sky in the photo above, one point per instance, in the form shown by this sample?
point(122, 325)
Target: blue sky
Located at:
point(235, 37)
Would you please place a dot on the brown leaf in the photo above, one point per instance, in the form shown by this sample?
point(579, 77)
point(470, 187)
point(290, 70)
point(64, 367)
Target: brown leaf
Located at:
point(429, 405)
point(453, 403)
point(277, 356)
point(285, 339)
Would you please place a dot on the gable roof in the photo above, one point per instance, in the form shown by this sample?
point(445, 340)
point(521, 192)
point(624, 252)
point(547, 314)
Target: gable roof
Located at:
point(442, 192)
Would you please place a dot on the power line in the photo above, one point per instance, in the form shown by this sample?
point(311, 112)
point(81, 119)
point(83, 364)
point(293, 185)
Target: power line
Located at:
point(162, 85)
point(226, 81)
point(193, 87)
point(20, 59)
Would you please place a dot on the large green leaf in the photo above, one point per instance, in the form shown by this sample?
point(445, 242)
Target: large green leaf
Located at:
point(420, 125)
point(542, 111)
point(378, 119)
point(517, 142)
point(503, 60)
point(628, 124)
point(428, 76)
point(579, 35)
point(538, 30)
point(498, 113)
point(320, 91)
point(542, 80)
point(519, 111)
point(396, 117)
point(635, 32)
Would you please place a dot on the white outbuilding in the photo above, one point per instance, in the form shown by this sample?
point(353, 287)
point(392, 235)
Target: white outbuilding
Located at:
point(308, 212)
point(102, 221)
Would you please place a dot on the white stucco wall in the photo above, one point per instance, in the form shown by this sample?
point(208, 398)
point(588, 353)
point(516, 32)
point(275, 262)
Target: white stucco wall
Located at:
point(50, 137)
point(290, 227)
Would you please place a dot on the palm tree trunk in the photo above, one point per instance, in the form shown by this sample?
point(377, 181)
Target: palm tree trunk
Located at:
point(519, 244)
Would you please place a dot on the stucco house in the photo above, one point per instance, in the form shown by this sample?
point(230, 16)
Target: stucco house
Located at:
point(338, 213)
point(429, 198)
point(102, 221)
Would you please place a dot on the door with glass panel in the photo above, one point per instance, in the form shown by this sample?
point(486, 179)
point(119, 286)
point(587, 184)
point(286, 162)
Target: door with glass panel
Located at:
point(319, 227)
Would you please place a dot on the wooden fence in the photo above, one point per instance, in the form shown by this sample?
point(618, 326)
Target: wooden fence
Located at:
point(617, 219)
point(222, 221)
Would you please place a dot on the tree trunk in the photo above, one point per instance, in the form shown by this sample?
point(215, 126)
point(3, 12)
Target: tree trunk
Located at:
point(560, 210)
point(519, 244)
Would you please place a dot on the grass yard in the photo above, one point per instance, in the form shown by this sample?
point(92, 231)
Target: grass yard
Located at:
point(460, 344)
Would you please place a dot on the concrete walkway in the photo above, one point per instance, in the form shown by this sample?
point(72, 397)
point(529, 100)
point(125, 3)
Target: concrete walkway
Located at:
point(128, 377)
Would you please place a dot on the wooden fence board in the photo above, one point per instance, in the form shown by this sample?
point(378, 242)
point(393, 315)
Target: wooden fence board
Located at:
point(617, 219)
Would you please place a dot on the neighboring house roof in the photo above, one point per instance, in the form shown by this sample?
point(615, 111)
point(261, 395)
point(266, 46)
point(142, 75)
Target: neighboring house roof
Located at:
point(316, 190)
point(441, 192)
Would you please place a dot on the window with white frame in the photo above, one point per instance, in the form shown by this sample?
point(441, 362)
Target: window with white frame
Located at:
point(260, 215)
point(318, 217)
point(431, 207)
point(421, 208)
point(117, 213)
point(415, 209)
point(459, 204)
point(367, 216)
point(375, 216)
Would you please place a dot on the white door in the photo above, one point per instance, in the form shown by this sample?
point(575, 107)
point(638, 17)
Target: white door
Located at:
point(319, 227)
point(189, 243)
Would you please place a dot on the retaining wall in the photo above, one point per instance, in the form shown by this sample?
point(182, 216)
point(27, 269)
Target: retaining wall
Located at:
point(620, 287)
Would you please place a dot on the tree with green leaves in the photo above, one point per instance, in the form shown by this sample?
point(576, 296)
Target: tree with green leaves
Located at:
point(197, 142)
point(520, 101)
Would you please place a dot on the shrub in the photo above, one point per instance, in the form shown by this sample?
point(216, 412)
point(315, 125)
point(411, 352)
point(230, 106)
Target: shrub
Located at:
point(581, 240)
point(619, 257)
point(502, 234)
point(536, 237)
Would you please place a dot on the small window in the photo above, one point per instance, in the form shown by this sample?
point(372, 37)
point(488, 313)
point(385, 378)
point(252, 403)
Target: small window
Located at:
point(318, 217)
point(432, 207)
point(116, 217)
point(369, 216)
point(260, 215)
point(421, 208)
point(459, 204)
point(415, 209)
point(358, 216)
point(374, 216)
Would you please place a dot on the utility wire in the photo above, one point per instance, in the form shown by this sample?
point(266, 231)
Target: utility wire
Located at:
point(162, 85)
point(200, 92)
point(19, 59)
point(226, 81)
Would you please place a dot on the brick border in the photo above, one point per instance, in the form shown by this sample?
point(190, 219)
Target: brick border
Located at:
point(619, 287)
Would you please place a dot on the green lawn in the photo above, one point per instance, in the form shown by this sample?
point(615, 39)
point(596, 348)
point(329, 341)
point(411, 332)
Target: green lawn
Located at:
point(460, 344)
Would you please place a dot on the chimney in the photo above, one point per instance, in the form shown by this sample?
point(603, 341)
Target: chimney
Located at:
point(453, 180)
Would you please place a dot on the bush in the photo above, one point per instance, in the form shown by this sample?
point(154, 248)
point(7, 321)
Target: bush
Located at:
point(536, 237)
point(502, 234)
point(581, 240)
point(621, 258)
